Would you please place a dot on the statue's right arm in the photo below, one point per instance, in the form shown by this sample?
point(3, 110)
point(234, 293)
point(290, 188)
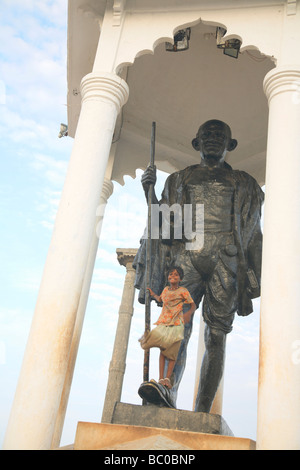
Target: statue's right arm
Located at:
point(148, 178)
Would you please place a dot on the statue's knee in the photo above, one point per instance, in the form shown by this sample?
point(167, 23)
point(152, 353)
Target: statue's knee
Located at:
point(215, 338)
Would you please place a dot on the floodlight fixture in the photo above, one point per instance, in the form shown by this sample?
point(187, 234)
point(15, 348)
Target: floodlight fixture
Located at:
point(181, 41)
point(63, 131)
point(231, 47)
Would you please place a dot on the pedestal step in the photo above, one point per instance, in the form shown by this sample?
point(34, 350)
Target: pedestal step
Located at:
point(136, 427)
point(169, 418)
point(101, 436)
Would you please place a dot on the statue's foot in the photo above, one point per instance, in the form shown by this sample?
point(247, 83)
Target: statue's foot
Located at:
point(156, 394)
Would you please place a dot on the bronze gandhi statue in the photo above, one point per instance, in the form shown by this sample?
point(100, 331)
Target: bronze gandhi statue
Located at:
point(225, 273)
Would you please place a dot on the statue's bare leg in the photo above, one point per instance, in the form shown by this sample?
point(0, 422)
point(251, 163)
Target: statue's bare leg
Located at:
point(212, 368)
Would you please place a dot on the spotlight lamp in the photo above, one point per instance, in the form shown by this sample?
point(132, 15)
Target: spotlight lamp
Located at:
point(181, 41)
point(63, 131)
point(231, 47)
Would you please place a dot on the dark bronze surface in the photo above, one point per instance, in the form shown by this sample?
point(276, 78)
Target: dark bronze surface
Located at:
point(225, 273)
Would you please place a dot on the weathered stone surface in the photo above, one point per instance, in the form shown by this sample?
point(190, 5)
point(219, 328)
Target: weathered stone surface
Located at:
point(102, 436)
point(153, 416)
point(157, 442)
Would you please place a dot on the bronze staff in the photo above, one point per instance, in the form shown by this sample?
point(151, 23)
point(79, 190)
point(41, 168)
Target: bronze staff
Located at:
point(148, 257)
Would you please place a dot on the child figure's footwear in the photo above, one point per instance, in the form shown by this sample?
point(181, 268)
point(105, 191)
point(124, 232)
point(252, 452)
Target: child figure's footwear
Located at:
point(166, 382)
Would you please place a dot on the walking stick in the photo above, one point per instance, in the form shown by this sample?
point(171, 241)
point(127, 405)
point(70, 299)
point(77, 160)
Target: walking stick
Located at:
point(148, 258)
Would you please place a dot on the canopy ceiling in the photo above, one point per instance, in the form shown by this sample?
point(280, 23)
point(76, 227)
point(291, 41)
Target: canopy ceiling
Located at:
point(181, 90)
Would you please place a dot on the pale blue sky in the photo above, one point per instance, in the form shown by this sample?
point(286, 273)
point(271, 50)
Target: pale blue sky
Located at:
point(33, 48)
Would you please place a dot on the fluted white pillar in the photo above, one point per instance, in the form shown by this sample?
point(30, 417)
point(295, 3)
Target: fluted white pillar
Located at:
point(39, 390)
point(279, 368)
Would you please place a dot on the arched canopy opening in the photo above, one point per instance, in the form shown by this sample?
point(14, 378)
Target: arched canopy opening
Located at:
point(181, 90)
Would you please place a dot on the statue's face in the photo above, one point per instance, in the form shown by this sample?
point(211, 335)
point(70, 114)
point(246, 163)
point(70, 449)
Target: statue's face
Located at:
point(213, 141)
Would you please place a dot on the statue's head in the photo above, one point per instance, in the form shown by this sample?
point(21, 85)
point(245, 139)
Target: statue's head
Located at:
point(213, 141)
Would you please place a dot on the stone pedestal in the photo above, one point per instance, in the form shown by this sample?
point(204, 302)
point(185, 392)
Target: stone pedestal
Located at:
point(100, 436)
point(168, 418)
point(136, 427)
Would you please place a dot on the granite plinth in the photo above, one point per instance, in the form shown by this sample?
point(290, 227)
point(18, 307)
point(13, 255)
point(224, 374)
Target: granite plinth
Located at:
point(169, 418)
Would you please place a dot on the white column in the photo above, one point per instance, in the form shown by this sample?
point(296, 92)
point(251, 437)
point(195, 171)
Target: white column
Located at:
point(118, 361)
point(279, 369)
point(107, 191)
point(42, 377)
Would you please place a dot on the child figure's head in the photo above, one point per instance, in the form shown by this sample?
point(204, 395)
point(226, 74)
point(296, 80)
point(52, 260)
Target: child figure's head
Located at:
point(177, 270)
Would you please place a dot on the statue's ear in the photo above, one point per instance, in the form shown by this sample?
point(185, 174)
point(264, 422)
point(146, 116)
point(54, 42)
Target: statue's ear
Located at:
point(232, 145)
point(195, 143)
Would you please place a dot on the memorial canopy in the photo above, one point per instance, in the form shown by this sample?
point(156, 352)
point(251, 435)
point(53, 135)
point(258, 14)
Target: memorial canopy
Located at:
point(178, 90)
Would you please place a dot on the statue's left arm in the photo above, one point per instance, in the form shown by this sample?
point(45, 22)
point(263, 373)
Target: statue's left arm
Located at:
point(252, 234)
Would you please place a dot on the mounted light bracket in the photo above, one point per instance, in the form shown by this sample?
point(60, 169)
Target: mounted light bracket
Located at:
point(181, 41)
point(231, 47)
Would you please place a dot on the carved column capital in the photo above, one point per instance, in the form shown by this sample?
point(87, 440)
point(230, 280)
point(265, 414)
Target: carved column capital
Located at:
point(126, 255)
point(107, 189)
point(106, 87)
point(282, 80)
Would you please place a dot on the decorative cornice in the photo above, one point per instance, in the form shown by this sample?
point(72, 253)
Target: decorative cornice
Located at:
point(291, 7)
point(118, 10)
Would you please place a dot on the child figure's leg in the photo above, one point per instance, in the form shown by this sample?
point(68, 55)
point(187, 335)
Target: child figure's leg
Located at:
point(162, 361)
point(170, 368)
point(165, 380)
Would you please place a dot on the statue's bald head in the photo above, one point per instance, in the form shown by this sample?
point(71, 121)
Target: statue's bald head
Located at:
point(214, 139)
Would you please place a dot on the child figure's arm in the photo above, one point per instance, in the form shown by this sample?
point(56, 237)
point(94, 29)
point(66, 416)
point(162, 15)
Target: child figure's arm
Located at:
point(156, 297)
point(188, 315)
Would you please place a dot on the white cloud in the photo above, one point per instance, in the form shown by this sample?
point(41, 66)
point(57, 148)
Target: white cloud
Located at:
point(108, 295)
point(18, 129)
point(15, 324)
point(46, 205)
point(106, 256)
point(53, 169)
point(124, 220)
point(107, 274)
point(33, 68)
